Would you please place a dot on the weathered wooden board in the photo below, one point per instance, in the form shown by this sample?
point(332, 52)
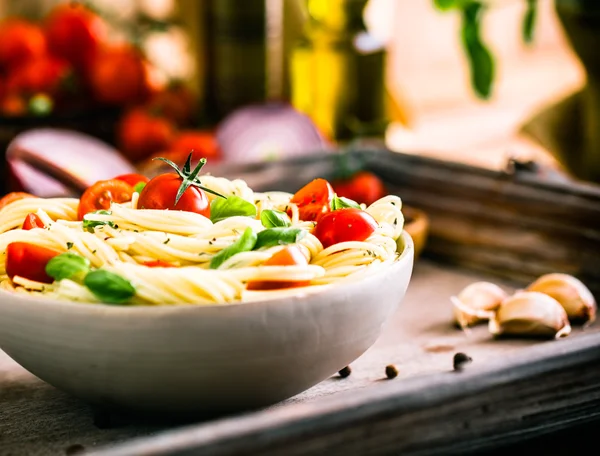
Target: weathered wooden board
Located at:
point(512, 387)
point(504, 227)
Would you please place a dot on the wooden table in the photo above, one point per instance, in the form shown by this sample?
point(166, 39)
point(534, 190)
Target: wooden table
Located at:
point(36, 419)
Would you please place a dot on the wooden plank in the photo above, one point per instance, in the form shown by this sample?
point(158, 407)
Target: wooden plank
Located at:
point(36, 419)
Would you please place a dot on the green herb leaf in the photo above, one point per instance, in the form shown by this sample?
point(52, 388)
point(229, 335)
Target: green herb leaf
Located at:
point(109, 287)
point(529, 21)
point(139, 187)
point(278, 236)
point(341, 203)
point(234, 205)
point(89, 225)
point(481, 62)
point(445, 5)
point(272, 219)
point(67, 265)
point(245, 243)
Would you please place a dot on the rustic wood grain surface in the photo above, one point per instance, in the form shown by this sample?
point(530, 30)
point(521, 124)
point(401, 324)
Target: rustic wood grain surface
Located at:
point(36, 419)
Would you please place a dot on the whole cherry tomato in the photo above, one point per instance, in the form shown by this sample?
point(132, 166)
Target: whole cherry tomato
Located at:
point(102, 194)
point(74, 33)
point(363, 187)
point(20, 41)
point(28, 261)
point(132, 179)
point(199, 143)
point(288, 256)
point(118, 76)
point(343, 225)
point(45, 74)
point(161, 191)
point(141, 134)
point(12, 197)
point(32, 221)
point(314, 199)
point(175, 102)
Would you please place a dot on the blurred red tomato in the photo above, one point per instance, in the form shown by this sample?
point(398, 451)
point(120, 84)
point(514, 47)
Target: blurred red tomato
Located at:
point(362, 187)
point(141, 134)
point(20, 41)
point(43, 74)
point(118, 76)
point(202, 144)
point(13, 105)
point(176, 102)
point(74, 33)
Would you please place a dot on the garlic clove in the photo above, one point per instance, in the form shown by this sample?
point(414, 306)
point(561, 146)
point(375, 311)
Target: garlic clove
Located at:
point(571, 293)
point(477, 302)
point(530, 313)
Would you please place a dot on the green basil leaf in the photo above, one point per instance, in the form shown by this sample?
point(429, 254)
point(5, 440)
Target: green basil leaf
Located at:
point(234, 205)
point(139, 187)
point(272, 219)
point(109, 287)
point(278, 236)
point(245, 243)
point(89, 225)
point(529, 21)
point(67, 265)
point(341, 203)
point(481, 61)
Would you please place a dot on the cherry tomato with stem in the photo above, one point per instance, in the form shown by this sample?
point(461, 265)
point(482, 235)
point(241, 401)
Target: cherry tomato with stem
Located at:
point(100, 196)
point(288, 256)
point(314, 199)
point(180, 191)
point(29, 261)
point(344, 225)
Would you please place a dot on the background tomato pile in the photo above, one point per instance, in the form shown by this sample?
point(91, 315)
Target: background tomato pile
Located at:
point(66, 64)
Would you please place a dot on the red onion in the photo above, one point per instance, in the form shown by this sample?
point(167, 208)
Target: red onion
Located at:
point(55, 162)
point(271, 131)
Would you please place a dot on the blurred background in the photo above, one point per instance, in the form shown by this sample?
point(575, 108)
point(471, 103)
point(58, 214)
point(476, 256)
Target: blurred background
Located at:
point(254, 80)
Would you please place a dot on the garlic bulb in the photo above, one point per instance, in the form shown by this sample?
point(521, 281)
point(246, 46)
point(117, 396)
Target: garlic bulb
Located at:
point(571, 293)
point(477, 302)
point(530, 313)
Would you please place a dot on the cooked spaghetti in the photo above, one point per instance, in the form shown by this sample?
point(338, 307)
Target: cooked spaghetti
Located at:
point(170, 256)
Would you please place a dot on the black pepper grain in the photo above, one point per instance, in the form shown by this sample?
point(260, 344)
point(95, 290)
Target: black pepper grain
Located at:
point(391, 371)
point(345, 372)
point(459, 360)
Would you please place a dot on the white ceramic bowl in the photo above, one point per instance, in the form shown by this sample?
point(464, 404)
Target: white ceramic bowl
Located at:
point(180, 359)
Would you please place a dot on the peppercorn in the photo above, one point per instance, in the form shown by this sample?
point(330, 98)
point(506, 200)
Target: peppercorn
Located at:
point(460, 359)
point(345, 372)
point(391, 371)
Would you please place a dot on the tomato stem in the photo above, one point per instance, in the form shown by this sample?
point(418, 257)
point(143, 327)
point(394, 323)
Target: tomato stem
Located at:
point(189, 177)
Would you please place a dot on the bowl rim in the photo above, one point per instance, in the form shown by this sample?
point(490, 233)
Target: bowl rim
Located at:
point(406, 255)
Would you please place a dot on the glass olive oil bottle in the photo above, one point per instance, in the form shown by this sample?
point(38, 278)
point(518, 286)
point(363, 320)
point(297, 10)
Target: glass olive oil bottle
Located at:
point(242, 48)
point(337, 71)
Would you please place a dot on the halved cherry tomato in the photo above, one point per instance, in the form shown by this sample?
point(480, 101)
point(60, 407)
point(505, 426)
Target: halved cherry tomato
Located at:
point(12, 197)
point(348, 224)
point(158, 264)
point(362, 187)
point(288, 256)
point(101, 194)
point(29, 261)
point(132, 179)
point(161, 191)
point(32, 221)
point(314, 199)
